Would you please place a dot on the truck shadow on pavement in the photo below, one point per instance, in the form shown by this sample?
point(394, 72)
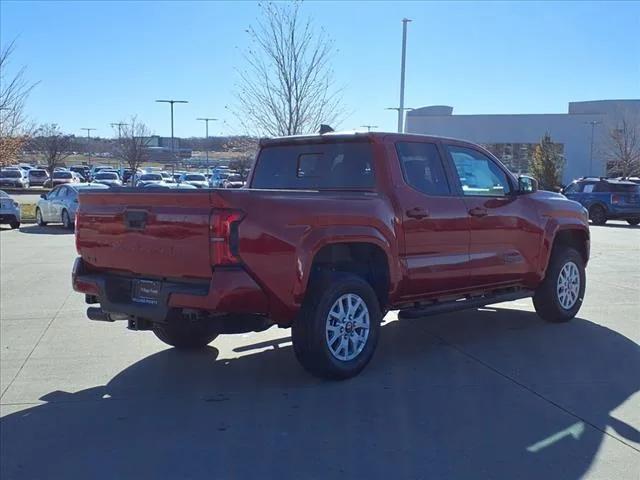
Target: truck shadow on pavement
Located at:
point(492, 393)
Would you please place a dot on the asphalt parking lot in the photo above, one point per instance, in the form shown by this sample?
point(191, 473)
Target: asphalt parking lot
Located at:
point(489, 393)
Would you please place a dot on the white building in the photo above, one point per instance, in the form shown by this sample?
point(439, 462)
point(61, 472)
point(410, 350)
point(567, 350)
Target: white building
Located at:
point(512, 138)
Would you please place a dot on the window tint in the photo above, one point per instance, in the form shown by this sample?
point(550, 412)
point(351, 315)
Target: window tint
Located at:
point(479, 175)
point(624, 188)
point(422, 167)
point(324, 166)
point(572, 188)
point(53, 193)
point(588, 188)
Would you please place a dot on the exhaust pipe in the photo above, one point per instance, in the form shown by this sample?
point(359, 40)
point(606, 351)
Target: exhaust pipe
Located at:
point(98, 315)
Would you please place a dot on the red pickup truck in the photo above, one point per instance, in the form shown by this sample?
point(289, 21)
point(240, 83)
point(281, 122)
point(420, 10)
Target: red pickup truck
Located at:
point(332, 232)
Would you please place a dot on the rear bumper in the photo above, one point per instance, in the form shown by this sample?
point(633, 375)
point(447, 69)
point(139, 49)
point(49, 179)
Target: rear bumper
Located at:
point(228, 291)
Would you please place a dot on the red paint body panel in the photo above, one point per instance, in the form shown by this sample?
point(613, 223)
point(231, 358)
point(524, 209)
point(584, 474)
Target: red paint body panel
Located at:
point(447, 252)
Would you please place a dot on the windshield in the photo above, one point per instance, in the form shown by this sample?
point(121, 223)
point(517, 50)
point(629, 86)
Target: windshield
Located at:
point(62, 175)
point(38, 173)
point(151, 177)
point(10, 174)
point(107, 176)
point(195, 178)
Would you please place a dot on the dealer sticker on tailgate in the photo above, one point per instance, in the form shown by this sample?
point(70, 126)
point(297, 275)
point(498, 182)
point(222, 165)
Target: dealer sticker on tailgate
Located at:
point(146, 291)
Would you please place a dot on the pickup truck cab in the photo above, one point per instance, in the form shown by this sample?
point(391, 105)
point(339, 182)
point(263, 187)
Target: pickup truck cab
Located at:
point(331, 232)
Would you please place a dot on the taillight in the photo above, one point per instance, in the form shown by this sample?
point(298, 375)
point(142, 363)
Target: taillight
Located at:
point(223, 236)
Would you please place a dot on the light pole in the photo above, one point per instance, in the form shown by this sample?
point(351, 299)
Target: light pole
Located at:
point(171, 102)
point(400, 114)
point(88, 142)
point(593, 124)
point(206, 121)
point(369, 127)
point(402, 65)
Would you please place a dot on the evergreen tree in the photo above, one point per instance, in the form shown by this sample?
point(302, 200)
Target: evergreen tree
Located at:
point(547, 164)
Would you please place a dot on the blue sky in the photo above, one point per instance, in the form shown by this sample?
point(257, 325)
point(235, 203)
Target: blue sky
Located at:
point(98, 63)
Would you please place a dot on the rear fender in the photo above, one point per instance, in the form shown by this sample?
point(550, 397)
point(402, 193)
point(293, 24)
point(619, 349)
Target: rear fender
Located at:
point(321, 237)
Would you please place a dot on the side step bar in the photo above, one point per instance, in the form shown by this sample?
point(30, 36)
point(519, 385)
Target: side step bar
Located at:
point(464, 304)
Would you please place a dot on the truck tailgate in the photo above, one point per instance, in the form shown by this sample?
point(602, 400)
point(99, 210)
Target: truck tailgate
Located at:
point(156, 234)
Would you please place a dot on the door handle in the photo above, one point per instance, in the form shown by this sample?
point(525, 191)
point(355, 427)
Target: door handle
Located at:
point(417, 212)
point(478, 212)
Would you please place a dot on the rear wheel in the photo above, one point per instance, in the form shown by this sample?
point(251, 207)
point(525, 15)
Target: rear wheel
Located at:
point(39, 219)
point(559, 296)
point(633, 221)
point(66, 220)
point(598, 215)
point(336, 332)
point(184, 334)
point(15, 224)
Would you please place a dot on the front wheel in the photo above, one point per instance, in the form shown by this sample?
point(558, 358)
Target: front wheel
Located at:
point(336, 332)
point(633, 221)
point(39, 219)
point(598, 215)
point(559, 296)
point(14, 225)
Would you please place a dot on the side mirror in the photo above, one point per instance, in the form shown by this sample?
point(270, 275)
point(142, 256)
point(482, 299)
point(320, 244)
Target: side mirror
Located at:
point(43, 196)
point(527, 184)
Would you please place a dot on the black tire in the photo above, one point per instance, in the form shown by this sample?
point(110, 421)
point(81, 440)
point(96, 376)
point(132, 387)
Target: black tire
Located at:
point(546, 299)
point(66, 220)
point(183, 333)
point(633, 221)
point(309, 330)
point(598, 215)
point(14, 225)
point(39, 220)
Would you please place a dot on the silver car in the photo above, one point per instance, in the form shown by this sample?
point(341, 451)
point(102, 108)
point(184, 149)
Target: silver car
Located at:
point(13, 177)
point(108, 178)
point(61, 203)
point(9, 210)
point(198, 180)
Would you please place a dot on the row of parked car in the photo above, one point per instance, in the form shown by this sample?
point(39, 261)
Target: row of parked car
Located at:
point(24, 176)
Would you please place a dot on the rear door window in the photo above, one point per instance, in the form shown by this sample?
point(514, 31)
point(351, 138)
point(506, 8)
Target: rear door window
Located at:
point(341, 165)
point(422, 167)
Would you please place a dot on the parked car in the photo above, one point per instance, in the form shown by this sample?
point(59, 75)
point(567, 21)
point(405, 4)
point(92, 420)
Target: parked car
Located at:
point(108, 178)
point(61, 177)
point(149, 178)
point(184, 186)
point(218, 177)
point(83, 170)
point(606, 199)
point(198, 180)
point(16, 178)
point(9, 210)
point(233, 181)
point(61, 203)
point(37, 177)
point(377, 222)
point(167, 177)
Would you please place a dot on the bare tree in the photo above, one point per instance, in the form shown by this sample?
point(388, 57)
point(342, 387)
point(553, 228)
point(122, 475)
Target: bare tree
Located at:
point(133, 143)
point(622, 147)
point(287, 86)
point(246, 149)
point(14, 90)
point(54, 145)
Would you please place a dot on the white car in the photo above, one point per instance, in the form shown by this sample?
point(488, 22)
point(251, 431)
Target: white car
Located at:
point(233, 181)
point(198, 180)
point(110, 179)
point(61, 203)
point(149, 178)
point(9, 210)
